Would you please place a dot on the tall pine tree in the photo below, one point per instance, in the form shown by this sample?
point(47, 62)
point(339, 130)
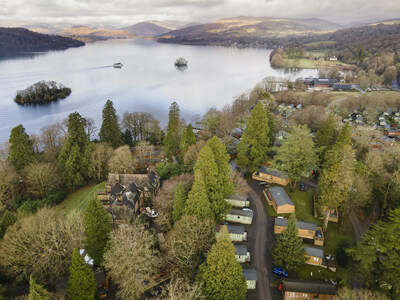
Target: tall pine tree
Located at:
point(179, 202)
point(288, 251)
point(97, 230)
point(224, 169)
point(81, 283)
point(36, 291)
point(188, 138)
point(326, 136)
point(198, 203)
point(207, 166)
point(172, 138)
point(221, 275)
point(21, 148)
point(74, 158)
point(254, 145)
point(110, 131)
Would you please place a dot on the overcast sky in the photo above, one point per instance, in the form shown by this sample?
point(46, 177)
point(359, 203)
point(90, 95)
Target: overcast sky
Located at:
point(127, 12)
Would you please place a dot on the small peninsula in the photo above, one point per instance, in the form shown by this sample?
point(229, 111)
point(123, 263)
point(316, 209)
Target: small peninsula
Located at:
point(42, 92)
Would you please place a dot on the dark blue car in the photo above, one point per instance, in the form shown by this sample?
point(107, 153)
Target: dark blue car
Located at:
point(280, 272)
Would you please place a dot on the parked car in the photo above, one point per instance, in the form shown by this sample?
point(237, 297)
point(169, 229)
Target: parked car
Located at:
point(263, 184)
point(247, 209)
point(280, 272)
point(303, 187)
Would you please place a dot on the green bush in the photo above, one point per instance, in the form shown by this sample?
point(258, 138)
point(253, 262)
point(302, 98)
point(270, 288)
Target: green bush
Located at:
point(168, 169)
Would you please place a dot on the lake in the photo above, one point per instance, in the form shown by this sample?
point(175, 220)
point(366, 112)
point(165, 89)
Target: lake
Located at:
point(148, 81)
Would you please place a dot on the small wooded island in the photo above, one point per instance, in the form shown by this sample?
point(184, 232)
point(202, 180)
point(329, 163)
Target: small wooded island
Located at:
point(42, 92)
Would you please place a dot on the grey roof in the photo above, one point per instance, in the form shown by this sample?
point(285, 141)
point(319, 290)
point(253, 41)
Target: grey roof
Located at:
point(236, 229)
point(237, 197)
point(306, 286)
point(280, 196)
point(240, 212)
point(129, 199)
point(154, 179)
point(300, 224)
point(314, 251)
point(117, 189)
point(329, 81)
point(272, 172)
point(249, 274)
point(241, 249)
point(343, 87)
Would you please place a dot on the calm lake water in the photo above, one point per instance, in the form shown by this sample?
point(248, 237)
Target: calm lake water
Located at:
point(148, 81)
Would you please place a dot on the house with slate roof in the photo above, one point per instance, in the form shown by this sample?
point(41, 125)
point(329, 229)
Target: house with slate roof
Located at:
point(306, 230)
point(279, 200)
point(271, 176)
point(306, 289)
point(314, 255)
point(127, 193)
point(251, 278)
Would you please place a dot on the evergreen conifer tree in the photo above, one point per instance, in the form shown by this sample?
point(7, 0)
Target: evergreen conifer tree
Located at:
point(128, 139)
point(179, 202)
point(198, 203)
point(221, 275)
point(326, 136)
point(74, 158)
point(272, 127)
point(6, 221)
point(110, 131)
point(253, 148)
point(36, 291)
point(208, 168)
point(344, 136)
point(288, 251)
point(97, 230)
point(81, 283)
point(172, 138)
point(188, 138)
point(224, 169)
point(21, 148)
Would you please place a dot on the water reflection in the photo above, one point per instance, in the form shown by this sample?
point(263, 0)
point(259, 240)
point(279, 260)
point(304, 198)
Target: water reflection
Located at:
point(181, 68)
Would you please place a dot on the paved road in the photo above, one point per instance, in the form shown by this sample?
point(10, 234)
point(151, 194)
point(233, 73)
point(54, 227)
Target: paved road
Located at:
point(359, 227)
point(262, 230)
point(264, 292)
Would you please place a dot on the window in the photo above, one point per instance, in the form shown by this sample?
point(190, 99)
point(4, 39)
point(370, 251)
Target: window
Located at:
point(311, 232)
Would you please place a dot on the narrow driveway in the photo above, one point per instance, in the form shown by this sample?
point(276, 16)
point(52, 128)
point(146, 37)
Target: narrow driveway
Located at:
point(264, 291)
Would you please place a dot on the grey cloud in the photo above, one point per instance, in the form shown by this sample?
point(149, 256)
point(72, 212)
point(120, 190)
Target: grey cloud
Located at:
point(125, 12)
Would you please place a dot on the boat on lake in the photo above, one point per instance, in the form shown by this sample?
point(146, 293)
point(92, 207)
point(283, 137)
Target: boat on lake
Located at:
point(181, 62)
point(117, 65)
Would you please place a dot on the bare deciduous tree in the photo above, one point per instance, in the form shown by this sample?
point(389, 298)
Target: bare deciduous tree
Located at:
point(131, 260)
point(41, 245)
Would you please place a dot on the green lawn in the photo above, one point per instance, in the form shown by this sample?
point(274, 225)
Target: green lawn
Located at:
point(304, 63)
point(79, 198)
point(321, 273)
point(333, 236)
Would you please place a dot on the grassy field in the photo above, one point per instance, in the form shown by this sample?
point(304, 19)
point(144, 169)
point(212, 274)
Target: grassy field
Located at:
point(304, 63)
point(333, 95)
point(79, 198)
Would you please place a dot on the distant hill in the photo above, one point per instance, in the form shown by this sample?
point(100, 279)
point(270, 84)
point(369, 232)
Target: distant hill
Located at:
point(23, 40)
point(86, 31)
point(147, 29)
point(243, 28)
